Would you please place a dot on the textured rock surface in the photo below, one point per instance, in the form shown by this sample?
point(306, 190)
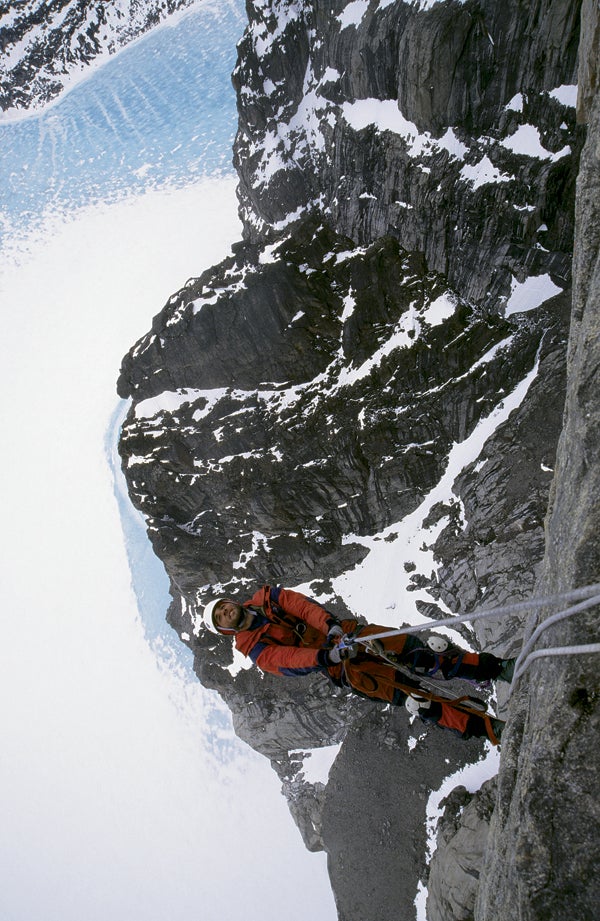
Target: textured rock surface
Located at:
point(407, 171)
point(314, 384)
point(374, 828)
point(359, 439)
point(465, 80)
point(546, 828)
point(45, 44)
point(462, 840)
point(407, 185)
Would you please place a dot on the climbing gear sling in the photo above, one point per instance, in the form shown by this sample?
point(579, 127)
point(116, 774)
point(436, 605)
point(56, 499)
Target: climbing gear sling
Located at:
point(370, 680)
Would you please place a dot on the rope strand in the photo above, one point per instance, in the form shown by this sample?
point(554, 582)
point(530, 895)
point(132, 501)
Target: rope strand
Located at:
point(554, 651)
point(517, 606)
point(524, 658)
point(590, 594)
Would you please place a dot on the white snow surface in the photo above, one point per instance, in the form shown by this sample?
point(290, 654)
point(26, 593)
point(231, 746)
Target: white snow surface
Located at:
point(531, 293)
point(526, 140)
point(316, 762)
point(428, 4)
point(171, 401)
point(120, 776)
point(385, 115)
point(352, 14)
point(483, 173)
point(516, 103)
point(440, 309)
point(565, 94)
point(378, 586)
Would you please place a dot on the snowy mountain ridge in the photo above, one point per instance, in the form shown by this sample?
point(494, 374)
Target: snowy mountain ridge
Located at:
point(365, 401)
point(47, 47)
point(371, 145)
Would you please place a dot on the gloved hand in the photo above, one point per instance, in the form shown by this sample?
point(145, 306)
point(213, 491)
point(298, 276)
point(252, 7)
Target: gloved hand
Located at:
point(334, 632)
point(337, 655)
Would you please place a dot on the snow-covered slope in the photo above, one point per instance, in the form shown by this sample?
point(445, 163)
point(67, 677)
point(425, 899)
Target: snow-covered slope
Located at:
point(47, 47)
point(365, 399)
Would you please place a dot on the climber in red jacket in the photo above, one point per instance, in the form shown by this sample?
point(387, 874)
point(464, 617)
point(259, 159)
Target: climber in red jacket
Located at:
point(285, 633)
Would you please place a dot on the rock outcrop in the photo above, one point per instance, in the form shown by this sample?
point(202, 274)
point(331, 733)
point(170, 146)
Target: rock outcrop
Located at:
point(462, 840)
point(547, 818)
point(407, 184)
point(388, 341)
point(45, 45)
point(390, 119)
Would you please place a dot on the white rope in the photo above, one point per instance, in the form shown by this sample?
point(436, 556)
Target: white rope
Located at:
point(555, 651)
point(590, 594)
point(525, 657)
point(583, 592)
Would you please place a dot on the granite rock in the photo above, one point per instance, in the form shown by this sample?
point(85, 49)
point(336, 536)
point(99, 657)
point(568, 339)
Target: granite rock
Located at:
point(547, 817)
point(314, 384)
point(462, 840)
point(407, 183)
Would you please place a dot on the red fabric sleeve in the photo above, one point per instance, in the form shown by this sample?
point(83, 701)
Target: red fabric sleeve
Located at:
point(287, 660)
point(306, 610)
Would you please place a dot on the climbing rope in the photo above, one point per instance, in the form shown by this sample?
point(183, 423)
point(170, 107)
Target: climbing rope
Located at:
point(528, 655)
point(557, 651)
point(590, 594)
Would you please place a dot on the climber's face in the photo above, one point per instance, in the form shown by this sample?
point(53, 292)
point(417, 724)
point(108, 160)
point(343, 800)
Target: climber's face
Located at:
point(228, 615)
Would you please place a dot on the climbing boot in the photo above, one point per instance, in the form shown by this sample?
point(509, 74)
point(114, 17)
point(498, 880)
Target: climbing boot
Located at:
point(497, 727)
point(507, 671)
point(416, 705)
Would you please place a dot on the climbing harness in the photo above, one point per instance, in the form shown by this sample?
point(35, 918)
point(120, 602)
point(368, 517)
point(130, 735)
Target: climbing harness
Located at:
point(426, 680)
point(421, 689)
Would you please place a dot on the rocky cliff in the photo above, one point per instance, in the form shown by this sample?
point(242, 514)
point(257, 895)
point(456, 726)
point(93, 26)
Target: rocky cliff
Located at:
point(407, 186)
point(382, 362)
point(546, 826)
point(403, 289)
point(45, 46)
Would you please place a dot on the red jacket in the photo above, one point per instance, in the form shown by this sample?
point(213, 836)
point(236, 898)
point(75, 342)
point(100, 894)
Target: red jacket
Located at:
point(289, 633)
point(288, 636)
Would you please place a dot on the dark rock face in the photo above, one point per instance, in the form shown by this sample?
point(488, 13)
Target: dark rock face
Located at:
point(504, 496)
point(374, 833)
point(314, 386)
point(462, 840)
point(407, 185)
point(466, 81)
point(55, 40)
point(341, 433)
point(547, 816)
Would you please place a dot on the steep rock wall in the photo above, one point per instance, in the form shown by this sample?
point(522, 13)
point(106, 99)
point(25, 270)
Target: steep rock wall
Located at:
point(392, 122)
point(312, 386)
point(301, 314)
point(547, 817)
point(543, 844)
point(407, 178)
point(271, 447)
